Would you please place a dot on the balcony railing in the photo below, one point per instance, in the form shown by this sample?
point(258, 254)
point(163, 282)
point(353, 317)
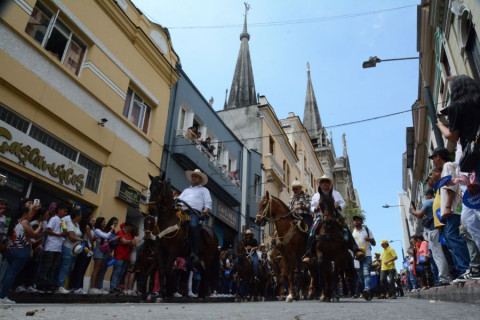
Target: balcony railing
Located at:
point(275, 166)
point(221, 168)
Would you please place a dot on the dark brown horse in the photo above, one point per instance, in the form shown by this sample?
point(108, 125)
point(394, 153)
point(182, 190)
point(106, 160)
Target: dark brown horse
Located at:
point(331, 249)
point(290, 242)
point(245, 279)
point(172, 231)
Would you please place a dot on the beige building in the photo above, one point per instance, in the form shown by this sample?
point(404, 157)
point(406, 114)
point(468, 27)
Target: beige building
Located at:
point(84, 89)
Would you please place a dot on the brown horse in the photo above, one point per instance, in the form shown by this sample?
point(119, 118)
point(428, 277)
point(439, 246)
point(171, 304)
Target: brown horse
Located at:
point(172, 231)
point(331, 249)
point(245, 279)
point(290, 242)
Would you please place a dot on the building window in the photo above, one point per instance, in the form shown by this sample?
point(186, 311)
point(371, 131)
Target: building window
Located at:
point(56, 37)
point(137, 111)
point(94, 172)
point(53, 143)
point(271, 145)
point(12, 119)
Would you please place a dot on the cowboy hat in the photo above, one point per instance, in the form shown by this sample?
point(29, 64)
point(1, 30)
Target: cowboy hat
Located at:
point(78, 247)
point(199, 173)
point(248, 231)
point(325, 177)
point(297, 183)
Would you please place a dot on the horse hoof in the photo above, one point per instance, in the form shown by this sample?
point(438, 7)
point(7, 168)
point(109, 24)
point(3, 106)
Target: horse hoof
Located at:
point(289, 298)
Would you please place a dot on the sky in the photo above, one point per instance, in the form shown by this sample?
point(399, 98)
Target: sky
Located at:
point(335, 37)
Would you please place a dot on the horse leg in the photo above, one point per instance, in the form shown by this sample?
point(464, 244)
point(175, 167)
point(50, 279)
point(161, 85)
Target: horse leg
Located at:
point(291, 278)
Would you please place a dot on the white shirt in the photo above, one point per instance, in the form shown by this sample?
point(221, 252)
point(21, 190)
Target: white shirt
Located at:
point(76, 230)
point(336, 196)
point(449, 168)
point(197, 197)
point(359, 236)
point(54, 243)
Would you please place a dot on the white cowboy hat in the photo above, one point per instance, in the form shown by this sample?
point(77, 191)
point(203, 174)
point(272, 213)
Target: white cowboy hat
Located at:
point(248, 231)
point(325, 177)
point(199, 173)
point(78, 247)
point(297, 183)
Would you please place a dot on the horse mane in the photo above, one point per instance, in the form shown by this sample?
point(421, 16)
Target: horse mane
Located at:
point(282, 203)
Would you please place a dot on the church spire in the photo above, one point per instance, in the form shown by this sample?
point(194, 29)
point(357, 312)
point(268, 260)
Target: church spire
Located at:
point(311, 115)
point(242, 92)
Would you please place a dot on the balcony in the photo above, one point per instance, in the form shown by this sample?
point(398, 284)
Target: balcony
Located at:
point(183, 142)
point(275, 169)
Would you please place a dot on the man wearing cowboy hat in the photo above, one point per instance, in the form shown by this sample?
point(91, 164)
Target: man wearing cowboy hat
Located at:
point(300, 203)
point(325, 185)
point(199, 199)
point(364, 239)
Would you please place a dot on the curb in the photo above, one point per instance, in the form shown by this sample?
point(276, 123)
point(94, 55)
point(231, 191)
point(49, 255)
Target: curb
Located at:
point(467, 292)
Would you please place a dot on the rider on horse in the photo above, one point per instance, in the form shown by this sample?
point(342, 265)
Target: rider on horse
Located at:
point(326, 184)
point(300, 203)
point(200, 202)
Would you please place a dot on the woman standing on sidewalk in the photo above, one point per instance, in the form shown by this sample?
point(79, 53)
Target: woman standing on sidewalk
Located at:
point(18, 250)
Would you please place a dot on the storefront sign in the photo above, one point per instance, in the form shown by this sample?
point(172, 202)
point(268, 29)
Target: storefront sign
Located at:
point(28, 152)
point(228, 216)
point(128, 194)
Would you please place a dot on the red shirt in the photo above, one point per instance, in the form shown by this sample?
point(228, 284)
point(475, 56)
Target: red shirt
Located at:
point(122, 252)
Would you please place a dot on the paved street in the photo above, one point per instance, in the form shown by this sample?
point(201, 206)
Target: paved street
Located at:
point(402, 308)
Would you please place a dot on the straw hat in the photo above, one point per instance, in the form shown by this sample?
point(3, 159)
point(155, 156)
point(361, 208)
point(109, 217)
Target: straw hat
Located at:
point(297, 183)
point(325, 177)
point(248, 231)
point(199, 173)
point(78, 247)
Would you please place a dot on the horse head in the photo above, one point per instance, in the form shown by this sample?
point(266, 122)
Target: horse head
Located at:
point(263, 207)
point(327, 204)
point(161, 196)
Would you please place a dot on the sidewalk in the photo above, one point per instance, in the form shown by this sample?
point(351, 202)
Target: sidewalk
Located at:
point(467, 292)
point(70, 298)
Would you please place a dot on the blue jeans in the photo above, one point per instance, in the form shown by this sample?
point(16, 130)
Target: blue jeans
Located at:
point(195, 228)
point(365, 267)
point(65, 266)
point(457, 244)
point(117, 273)
point(16, 257)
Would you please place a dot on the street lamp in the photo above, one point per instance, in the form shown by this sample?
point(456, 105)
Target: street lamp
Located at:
point(372, 61)
point(386, 206)
point(401, 244)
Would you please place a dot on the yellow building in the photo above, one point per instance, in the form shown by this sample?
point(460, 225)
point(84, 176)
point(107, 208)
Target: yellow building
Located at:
point(84, 90)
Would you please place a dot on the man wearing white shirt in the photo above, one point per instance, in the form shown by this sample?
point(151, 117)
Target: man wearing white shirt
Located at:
point(325, 185)
point(198, 198)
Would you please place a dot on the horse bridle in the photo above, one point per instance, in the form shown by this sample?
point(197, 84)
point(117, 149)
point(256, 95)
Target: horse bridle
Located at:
point(268, 208)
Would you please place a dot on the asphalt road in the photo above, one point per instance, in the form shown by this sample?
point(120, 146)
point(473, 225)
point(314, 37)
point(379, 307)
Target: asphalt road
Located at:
point(402, 308)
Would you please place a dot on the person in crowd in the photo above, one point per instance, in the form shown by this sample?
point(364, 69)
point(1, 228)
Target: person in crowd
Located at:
point(300, 202)
point(130, 275)
point(432, 235)
point(463, 115)
point(325, 186)
point(448, 202)
point(100, 255)
point(411, 271)
point(29, 273)
point(198, 137)
point(388, 271)
point(191, 134)
point(206, 144)
point(423, 259)
point(251, 244)
point(18, 251)
point(122, 256)
point(3, 219)
point(74, 234)
point(199, 199)
point(111, 245)
point(52, 252)
point(473, 252)
point(85, 256)
point(364, 239)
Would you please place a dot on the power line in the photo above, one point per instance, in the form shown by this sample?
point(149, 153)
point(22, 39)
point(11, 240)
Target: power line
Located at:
point(333, 126)
point(290, 22)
